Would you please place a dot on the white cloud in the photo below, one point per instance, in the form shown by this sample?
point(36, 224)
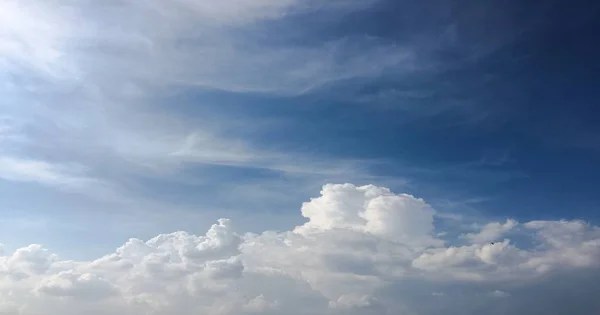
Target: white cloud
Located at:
point(473, 262)
point(90, 89)
point(259, 305)
point(565, 243)
point(28, 170)
point(162, 44)
point(373, 210)
point(79, 286)
point(333, 264)
point(491, 231)
point(32, 35)
point(65, 177)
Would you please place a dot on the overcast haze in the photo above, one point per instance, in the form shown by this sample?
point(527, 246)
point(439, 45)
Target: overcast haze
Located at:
point(299, 157)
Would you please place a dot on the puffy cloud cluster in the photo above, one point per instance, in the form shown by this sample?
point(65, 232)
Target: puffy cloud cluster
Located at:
point(491, 231)
point(363, 250)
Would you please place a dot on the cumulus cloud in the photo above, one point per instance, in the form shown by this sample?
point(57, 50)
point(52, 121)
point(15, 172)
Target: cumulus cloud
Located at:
point(491, 231)
point(360, 246)
point(370, 209)
point(80, 286)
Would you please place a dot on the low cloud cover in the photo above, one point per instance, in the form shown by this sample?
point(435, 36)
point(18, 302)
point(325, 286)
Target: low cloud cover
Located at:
point(362, 250)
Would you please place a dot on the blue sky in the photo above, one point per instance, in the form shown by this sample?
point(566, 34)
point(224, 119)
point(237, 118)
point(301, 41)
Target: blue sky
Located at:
point(486, 108)
point(126, 119)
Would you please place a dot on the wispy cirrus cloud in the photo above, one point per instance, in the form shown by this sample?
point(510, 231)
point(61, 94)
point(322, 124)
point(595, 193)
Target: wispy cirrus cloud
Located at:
point(186, 43)
point(92, 85)
point(65, 177)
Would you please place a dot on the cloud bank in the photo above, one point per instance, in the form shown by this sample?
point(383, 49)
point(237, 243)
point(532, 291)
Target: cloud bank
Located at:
point(362, 250)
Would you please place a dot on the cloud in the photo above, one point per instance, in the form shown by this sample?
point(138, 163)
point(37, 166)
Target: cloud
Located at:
point(79, 286)
point(491, 232)
point(570, 243)
point(370, 209)
point(28, 170)
point(360, 245)
point(97, 96)
point(259, 305)
point(31, 170)
point(77, 40)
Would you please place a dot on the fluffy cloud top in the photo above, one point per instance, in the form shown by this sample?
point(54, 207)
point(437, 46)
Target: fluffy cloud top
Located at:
point(372, 210)
point(491, 231)
point(363, 250)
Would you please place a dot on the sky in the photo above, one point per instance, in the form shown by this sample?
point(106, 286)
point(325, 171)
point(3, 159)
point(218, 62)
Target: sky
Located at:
point(299, 157)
